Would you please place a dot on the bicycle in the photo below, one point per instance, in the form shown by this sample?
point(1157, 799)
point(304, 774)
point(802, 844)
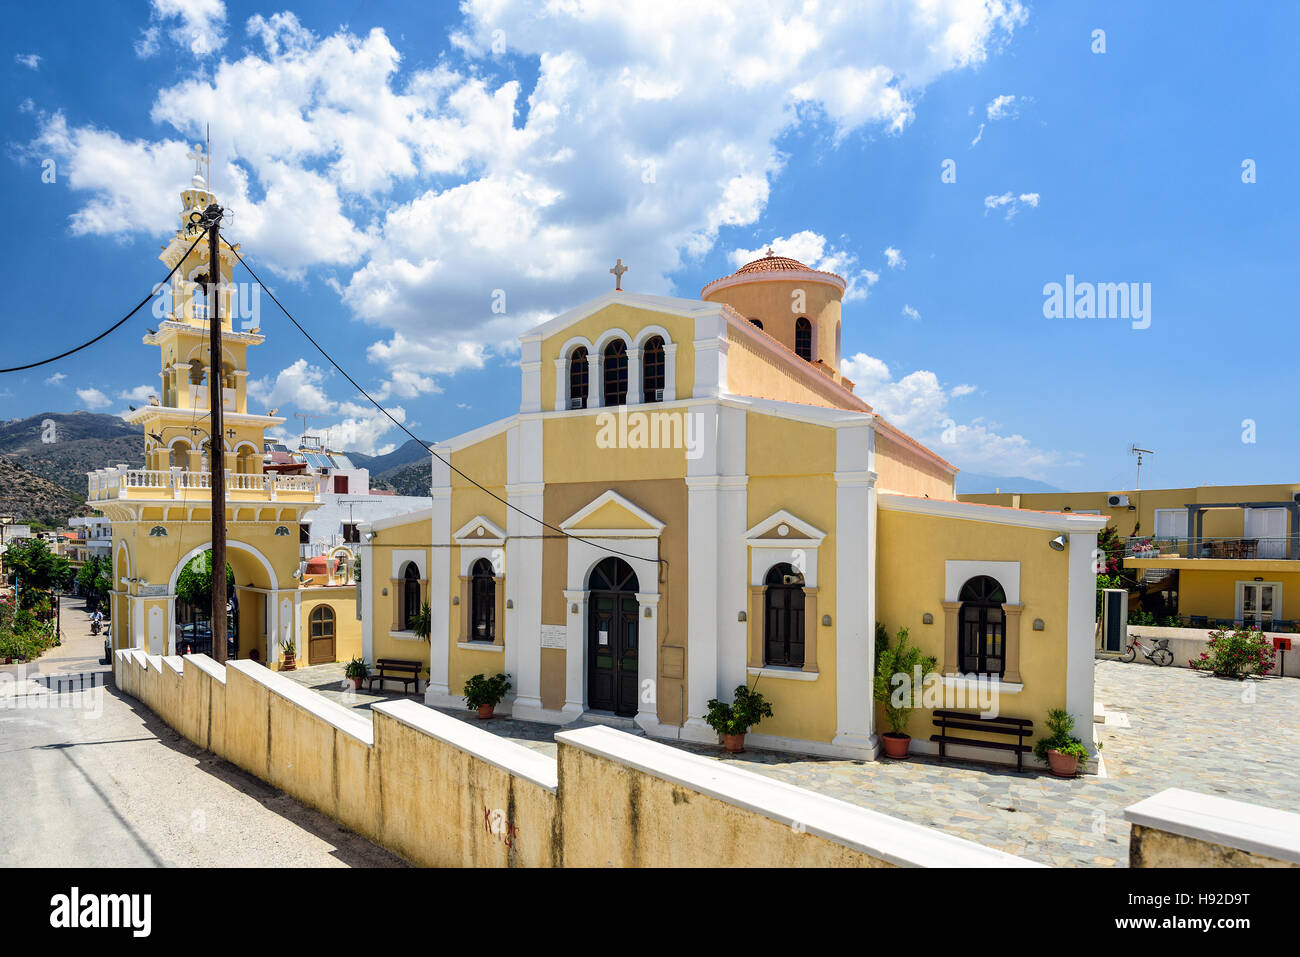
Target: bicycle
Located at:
point(1158, 654)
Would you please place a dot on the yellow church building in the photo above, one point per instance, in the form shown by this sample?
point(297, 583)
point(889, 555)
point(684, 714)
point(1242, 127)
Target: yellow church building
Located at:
point(691, 498)
point(161, 514)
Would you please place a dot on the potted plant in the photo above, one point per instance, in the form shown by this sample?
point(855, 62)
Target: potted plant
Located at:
point(483, 694)
point(288, 655)
point(421, 622)
point(356, 671)
point(1061, 749)
point(896, 671)
point(733, 720)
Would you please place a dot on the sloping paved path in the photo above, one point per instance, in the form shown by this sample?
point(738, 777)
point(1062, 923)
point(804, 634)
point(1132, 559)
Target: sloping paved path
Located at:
point(91, 778)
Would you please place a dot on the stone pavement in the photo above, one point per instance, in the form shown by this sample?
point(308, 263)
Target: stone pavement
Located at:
point(1236, 739)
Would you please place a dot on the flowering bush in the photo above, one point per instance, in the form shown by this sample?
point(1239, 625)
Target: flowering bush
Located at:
point(23, 636)
point(1236, 654)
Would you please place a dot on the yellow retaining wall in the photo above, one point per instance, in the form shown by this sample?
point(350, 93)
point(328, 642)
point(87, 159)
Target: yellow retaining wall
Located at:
point(441, 792)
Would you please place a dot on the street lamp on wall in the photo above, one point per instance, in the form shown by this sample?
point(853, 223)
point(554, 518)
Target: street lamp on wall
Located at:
point(1058, 543)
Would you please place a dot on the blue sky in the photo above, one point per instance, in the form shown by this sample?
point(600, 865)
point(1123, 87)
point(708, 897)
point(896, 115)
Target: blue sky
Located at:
point(393, 165)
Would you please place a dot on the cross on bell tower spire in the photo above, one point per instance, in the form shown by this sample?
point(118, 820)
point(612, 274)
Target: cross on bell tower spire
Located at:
point(202, 165)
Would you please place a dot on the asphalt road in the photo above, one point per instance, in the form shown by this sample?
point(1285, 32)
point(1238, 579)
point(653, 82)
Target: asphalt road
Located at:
point(91, 778)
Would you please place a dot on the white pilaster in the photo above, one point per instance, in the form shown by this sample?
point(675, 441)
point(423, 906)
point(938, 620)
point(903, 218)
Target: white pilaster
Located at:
point(562, 384)
point(595, 381)
point(647, 662)
point(523, 639)
point(436, 692)
point(530, 373)
point(670, 371)
point(710, 356)
point(1081, 610)
point(704, 574)
point(634, 376)
point(855, 590)
point(575, 654)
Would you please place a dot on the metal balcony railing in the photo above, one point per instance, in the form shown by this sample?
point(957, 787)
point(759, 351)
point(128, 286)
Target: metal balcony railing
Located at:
point(1280, 547)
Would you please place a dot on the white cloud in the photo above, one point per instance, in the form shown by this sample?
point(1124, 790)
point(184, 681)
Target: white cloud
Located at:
point(355, 425)
point(911, 312)
point(1004, 107)
point(55, 379)
point(918, 404)
point(895, 258)
point(431, 187)
point(813, 250)
point(139, 394)
point(961, 390)
point(1010, 202)
point(94, 399)
point(30, 60)
point(194, 25)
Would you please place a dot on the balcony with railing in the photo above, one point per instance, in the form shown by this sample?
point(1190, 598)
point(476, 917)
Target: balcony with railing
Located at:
point(181, 484)
point(1163, 550)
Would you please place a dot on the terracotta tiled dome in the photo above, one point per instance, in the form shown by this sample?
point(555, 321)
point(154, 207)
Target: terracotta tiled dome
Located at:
point(318, 566)
point(768, 264)
point(773, 264)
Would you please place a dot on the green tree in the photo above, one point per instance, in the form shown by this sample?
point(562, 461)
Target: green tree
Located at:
point(96, 579)
point(194, 584)
point(30, 564)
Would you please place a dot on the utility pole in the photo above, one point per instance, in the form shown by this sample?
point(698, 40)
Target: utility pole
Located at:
point(216, 437)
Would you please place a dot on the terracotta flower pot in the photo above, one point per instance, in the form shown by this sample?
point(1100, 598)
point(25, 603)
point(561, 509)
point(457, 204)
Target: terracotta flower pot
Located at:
point(896, 745)
point(355, 683)
point(485, 711)
point(290, 663)
point(1062, 765)
point(735, 743)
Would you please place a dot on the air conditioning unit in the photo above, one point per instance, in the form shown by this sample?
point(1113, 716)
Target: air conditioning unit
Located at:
point(1295, 497)
point(659, 397)
point(1117, 501)
point(577, 403)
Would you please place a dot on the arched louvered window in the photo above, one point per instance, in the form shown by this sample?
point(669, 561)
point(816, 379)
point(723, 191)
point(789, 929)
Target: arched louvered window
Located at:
point(410, 595)
point(783, 599)
point(652, 369)
point(615, 362)
point(803, 338)
point(483, 602)
point(578, 378)
point(983, 624)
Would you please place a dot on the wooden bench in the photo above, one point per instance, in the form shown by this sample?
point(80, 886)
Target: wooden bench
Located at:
point(395, 669)
point(1020, 728)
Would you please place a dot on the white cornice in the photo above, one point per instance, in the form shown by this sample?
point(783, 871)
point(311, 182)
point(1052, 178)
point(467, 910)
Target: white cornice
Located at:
point(993, 514)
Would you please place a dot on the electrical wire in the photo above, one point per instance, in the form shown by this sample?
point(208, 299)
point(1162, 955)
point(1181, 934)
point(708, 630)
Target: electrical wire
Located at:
point(330, 359)
point(114, 326)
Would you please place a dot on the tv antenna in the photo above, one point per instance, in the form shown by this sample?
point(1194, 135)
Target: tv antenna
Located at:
point(1134, 450)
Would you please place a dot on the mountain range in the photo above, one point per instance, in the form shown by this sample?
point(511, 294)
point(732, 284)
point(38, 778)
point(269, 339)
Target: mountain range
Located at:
point(61, 447)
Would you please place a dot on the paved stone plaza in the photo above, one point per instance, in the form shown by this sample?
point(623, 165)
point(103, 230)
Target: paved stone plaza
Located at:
point(1188, 730)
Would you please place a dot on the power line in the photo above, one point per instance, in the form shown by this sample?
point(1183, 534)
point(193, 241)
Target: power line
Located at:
point(391, 418)
point(91, 342)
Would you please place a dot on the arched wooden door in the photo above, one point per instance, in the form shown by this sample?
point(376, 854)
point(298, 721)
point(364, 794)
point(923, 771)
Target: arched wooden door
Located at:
point(612, 638)
point(320, 641)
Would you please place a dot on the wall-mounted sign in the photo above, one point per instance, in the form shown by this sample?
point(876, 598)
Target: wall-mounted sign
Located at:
point(151, 591)
point(553, 636)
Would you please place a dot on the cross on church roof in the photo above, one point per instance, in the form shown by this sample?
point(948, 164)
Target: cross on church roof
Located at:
point(769, 252)
point(617, 271)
